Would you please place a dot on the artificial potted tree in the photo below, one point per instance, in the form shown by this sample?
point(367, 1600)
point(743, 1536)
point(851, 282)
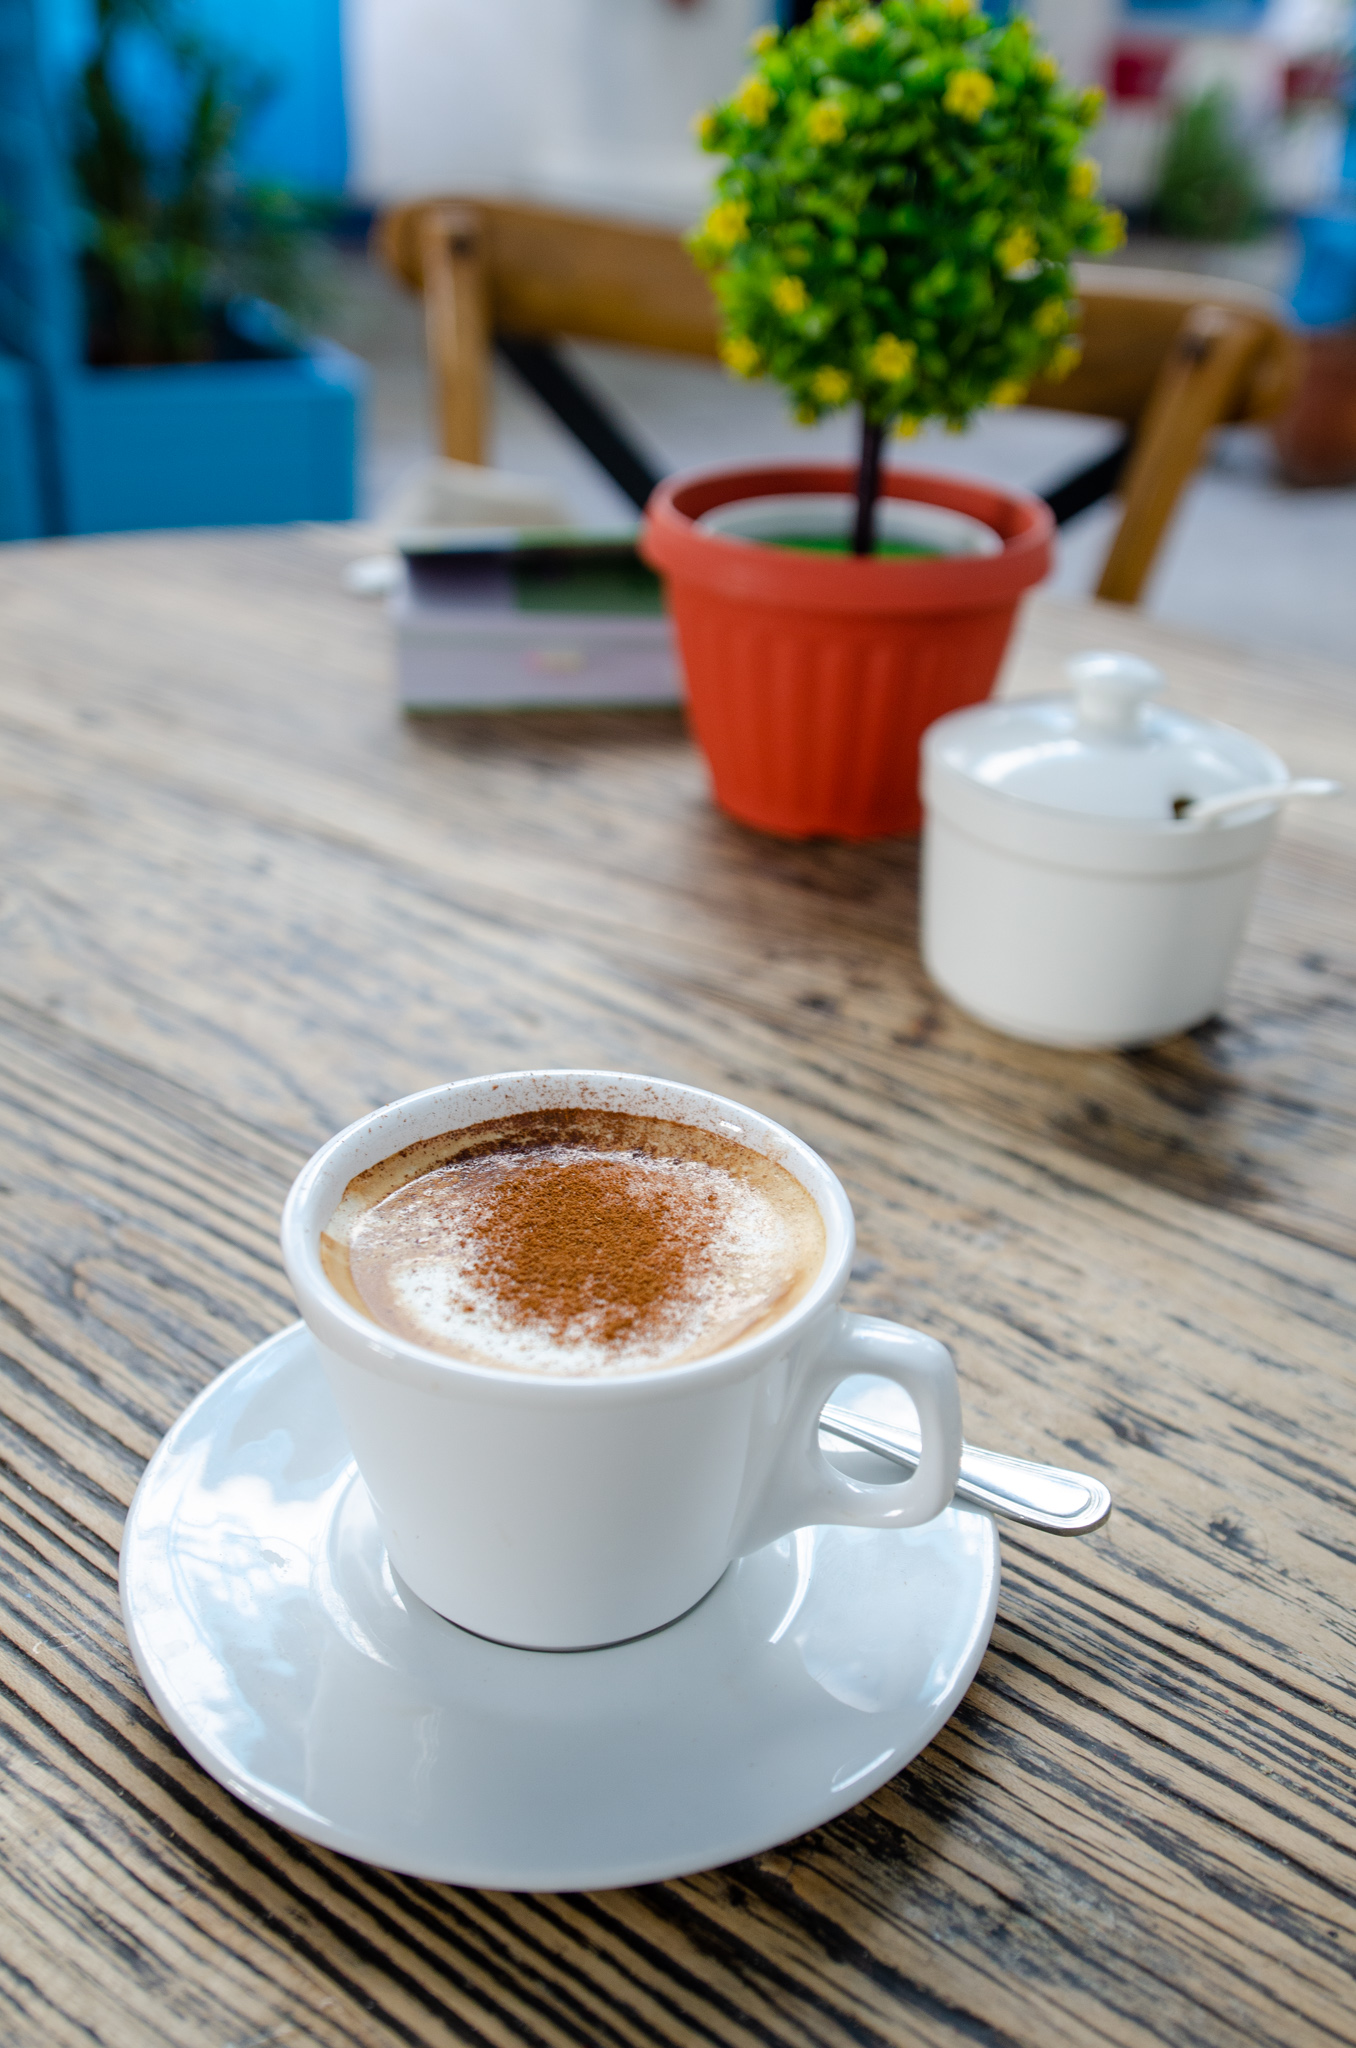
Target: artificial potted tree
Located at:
point(892, 231)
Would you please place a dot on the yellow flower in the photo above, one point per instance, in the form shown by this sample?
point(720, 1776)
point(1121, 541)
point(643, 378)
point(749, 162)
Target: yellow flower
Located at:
point(1110, 229)
point(789, 295)
point(831, 386)
point(739, 354)
point(1016, 250)
point(1084, 178)
point(906, 427)
point(805, 415)
point(968, 93)
point(704, 128)
point(1009, 392)
point(892, 359)
point(1090, 104)
point(958, 6)
point(727, 224)
point(754, 100)
point(868, 28)
point(826, 122)
point(1046, 69)
point(762, 39)
point(1066, 357)
point(1051, 318)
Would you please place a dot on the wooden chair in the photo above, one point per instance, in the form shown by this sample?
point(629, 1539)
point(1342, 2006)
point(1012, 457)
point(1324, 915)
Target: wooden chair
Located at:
point(1170, 355)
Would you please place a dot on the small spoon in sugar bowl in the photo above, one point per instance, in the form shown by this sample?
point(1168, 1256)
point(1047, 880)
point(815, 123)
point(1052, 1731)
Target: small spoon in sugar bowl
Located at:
point(1206, 810)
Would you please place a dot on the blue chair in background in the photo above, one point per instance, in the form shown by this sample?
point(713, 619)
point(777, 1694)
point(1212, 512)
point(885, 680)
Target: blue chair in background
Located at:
point(36, 281)
point(1325, 294)
point(1316, 440)
point(1325, 291)
point(262, 440)
point(21, 510)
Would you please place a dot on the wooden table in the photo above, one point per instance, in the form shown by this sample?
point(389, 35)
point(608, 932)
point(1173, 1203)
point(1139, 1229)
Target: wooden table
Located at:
point(242, 902)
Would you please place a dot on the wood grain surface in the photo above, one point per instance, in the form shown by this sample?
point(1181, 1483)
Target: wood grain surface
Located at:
point(242, 900)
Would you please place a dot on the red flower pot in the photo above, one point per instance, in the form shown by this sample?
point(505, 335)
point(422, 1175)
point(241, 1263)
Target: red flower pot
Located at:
point(810, 677)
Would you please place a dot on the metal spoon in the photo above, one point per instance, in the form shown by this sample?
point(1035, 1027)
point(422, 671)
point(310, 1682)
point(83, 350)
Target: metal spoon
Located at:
point(1203, 810)
point(1041, 1496)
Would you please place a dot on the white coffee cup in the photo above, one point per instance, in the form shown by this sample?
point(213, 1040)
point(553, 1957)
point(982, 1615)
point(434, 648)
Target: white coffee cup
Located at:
point(564, 1513)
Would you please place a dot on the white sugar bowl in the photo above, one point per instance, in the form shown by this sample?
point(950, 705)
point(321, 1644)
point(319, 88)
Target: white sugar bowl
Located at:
point(1069, 894)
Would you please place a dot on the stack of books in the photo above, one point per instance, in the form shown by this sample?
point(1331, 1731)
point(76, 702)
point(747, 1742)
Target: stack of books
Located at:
point(495, 620)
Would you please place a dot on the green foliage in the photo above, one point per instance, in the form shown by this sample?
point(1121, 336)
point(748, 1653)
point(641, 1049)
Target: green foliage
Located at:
point(1207, 187)
point(170, 234)
point(902, 199)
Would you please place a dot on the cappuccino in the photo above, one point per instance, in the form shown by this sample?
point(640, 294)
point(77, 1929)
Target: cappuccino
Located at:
point(575, 1242)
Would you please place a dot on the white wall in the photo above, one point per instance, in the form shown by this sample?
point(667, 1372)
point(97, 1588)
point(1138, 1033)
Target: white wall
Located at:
point(1080, 34)
point(586, 101)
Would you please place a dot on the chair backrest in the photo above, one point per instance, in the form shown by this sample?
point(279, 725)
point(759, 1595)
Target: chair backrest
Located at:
point(1169, 354)
point(1131, 321)
point(550, 274)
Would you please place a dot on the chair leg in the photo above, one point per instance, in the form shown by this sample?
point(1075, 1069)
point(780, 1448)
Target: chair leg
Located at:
point(582, 413)
point(1197, 388)
point(1089, 485)
point(456, 324)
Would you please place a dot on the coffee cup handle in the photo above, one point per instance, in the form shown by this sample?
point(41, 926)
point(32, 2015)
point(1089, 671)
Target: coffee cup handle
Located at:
point(804, 1489)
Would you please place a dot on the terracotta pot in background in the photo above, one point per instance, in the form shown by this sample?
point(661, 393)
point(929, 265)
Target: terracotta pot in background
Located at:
point(811, 678)
point(1316, 437)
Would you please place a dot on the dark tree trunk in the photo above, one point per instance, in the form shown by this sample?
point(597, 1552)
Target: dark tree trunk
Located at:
point(868, 489)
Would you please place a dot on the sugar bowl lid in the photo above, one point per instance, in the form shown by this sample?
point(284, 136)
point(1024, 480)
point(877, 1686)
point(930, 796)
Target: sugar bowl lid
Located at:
point(1107, 751)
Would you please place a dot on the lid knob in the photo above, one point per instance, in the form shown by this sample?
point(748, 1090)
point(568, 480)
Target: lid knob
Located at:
point(1111, 691)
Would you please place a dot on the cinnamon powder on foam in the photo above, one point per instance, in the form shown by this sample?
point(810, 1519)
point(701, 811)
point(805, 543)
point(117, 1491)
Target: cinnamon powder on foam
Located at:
point(598, 1242)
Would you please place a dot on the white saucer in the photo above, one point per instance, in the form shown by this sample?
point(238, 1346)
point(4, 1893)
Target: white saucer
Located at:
point(273, 1637)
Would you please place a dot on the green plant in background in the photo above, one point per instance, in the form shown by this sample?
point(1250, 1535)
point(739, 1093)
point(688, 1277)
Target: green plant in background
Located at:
point(1208, 189)
point(895, 222)
point(170, 234)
